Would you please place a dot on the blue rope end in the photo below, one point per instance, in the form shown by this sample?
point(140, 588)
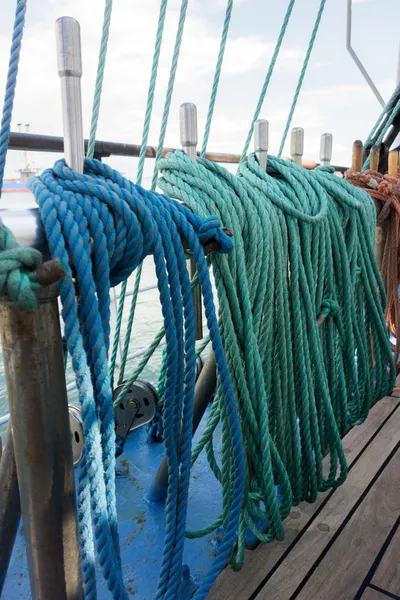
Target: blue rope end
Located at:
point(210, 230)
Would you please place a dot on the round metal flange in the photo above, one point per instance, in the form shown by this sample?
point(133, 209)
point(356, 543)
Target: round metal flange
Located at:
point(75, 423)
point(137, 408)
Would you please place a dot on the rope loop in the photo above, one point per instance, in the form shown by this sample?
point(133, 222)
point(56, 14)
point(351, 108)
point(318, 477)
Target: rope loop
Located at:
point(210, 229)
point(101, 226)
point(304, 243)
point(330, 307)
point(287, 186)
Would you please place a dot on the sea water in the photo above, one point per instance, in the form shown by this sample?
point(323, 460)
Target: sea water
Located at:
point(147, 322)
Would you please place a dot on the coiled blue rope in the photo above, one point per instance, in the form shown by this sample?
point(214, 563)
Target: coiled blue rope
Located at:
point(126, 223)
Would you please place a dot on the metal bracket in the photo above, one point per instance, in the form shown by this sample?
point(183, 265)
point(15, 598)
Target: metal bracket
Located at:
point(199, 366)
point(137, 408)
point(356, 59)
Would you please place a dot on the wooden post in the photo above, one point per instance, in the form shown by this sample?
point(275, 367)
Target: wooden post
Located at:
point(393, 161)
point(374, 158)
point(379, 234)
point(357, 156)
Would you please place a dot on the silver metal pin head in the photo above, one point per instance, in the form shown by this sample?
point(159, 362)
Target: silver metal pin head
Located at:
point(297, 145)
point(188, 128)
point(325, 153)
point(69, 64)
point(69, 56)
point(261, 140)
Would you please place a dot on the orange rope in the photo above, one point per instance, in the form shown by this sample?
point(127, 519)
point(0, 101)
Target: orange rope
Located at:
point(385, 190)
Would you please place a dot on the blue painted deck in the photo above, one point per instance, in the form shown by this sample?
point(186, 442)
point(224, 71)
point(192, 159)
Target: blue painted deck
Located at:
point(141, 524)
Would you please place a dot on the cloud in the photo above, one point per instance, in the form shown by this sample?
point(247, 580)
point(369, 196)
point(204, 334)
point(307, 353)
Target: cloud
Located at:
point(128, 65)
point(340, 93)
point(127, 75)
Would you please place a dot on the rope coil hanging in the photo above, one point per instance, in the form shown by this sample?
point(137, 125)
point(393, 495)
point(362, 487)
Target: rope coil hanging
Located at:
point(303, 246)
point(126, 223)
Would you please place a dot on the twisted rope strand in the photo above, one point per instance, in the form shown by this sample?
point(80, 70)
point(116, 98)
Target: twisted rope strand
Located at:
point(302, 74)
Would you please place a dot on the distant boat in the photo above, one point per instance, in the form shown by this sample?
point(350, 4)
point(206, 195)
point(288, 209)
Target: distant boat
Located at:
point(19, 184)
point(15, 185)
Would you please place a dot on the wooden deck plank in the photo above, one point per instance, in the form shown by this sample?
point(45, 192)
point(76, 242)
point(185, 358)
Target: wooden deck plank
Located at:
point(387, 575)
point(290, 574)
point(343, 569)
point(260, 562)
point(371, 594)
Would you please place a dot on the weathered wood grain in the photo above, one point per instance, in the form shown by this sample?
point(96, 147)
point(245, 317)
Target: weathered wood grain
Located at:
point(260, 562)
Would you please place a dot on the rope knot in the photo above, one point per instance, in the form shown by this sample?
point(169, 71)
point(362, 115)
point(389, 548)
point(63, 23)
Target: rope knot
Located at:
point(385, 188)
point(210, 229)
point(330, 307)
point(17, 266)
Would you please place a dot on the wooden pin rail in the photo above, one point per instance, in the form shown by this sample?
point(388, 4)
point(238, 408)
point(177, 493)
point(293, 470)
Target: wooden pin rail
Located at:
point(357, 156)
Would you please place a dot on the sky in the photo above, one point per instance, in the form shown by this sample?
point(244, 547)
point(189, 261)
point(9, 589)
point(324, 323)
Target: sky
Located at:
point(334, 97)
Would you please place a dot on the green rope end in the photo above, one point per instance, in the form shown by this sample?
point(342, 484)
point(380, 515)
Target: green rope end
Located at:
point(17, 266)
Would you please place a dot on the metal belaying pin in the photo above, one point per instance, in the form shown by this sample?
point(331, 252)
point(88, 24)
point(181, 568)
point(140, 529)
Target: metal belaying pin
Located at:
point(69, 63)
point(35, 378)
point(207, 378)
point(325, 151)
point(261, 138)
point(69, 66)
point(188, 129)
point(189, 139)
point(204, 391)
point(297, 145)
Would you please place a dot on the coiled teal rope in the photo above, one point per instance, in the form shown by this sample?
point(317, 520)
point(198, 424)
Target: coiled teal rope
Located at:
point(303, 247)
point(17, 266)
